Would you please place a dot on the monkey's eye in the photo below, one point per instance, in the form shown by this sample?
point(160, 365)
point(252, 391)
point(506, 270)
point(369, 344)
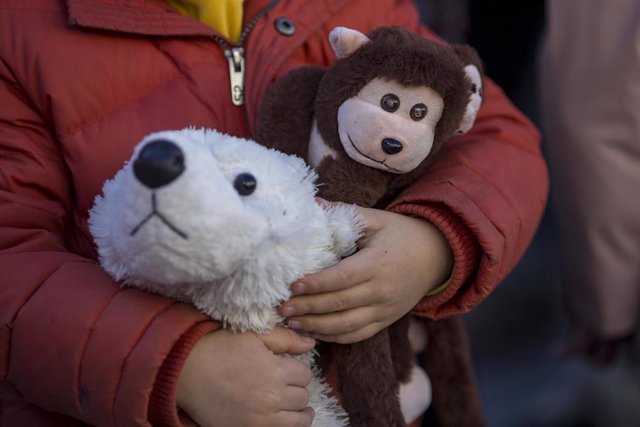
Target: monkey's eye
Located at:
point(245, 184)
point(390, 102)
point(474, 88)
point(418, 112)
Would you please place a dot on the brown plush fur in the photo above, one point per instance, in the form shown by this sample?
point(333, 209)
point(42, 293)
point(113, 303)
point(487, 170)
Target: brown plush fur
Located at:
point(402, 364)
point(286, 115)
point(369, 371)
point(340, 178)
point(448, 364)
point(366, 377)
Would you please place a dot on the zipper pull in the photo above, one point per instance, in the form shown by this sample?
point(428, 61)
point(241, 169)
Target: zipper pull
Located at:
point(235, 56)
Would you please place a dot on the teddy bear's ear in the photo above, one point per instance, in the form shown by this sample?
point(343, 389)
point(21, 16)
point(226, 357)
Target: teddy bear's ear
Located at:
point(345, 41)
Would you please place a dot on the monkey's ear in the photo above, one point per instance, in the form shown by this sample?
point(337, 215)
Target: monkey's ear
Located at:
point(473, 71)
point(345, 41)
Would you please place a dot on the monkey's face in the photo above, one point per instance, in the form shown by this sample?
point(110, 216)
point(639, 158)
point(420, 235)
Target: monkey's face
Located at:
point(390, 126)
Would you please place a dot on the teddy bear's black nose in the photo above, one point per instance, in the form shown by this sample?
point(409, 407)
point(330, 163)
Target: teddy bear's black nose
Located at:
point(391, 146)
point(159, 163)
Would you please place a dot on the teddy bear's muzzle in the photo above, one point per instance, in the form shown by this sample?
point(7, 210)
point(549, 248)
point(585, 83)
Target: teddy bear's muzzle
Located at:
point(159, 163)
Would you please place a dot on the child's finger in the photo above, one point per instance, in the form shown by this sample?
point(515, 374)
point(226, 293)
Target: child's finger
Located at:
point(294, 399)
point(353, 336)
point(329, 302)
point(335, 323)
point(295, 373)
point(283, 340)
point(302, 418)
point(349, 272)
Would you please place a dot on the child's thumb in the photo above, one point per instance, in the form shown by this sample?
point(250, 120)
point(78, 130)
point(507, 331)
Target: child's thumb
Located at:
point(284, 340)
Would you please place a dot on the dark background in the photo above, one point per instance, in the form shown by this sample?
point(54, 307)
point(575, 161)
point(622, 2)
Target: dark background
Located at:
point(515, 333)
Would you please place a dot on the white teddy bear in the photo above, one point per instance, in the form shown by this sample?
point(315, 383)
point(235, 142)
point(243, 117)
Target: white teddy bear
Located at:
point(225, 224)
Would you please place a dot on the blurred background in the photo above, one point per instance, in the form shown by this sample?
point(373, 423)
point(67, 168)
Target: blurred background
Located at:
point(515, 334)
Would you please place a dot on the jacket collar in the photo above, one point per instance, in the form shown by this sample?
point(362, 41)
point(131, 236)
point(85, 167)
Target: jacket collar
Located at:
point(144, 17)
point(153, 17)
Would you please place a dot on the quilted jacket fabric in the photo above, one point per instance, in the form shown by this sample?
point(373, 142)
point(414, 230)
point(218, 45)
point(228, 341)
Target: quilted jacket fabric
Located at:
point(81, 81)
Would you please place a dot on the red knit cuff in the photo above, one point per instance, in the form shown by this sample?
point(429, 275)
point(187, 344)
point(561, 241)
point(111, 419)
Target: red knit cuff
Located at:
point(466, 258)
point(163, 410)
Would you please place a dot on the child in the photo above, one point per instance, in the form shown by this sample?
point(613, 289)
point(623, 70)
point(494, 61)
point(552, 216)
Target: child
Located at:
point(82, 81)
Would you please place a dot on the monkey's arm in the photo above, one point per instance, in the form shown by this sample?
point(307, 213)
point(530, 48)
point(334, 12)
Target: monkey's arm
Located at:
point(287, 112)
point(347, 181)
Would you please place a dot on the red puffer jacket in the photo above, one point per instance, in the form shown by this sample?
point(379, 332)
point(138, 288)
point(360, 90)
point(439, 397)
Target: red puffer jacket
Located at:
point(81, 81)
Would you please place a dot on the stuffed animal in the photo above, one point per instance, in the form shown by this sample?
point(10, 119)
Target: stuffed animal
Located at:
point(226, 225)
point(371, 124)
point(375, 120)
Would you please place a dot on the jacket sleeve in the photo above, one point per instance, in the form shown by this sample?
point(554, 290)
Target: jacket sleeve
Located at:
point(71, 339)
point(486, 193)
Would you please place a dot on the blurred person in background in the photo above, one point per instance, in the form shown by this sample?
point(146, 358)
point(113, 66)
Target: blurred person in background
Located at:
point(590, 99)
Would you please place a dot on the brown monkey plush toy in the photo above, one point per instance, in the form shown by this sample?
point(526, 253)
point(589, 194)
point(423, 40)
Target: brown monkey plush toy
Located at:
point(371, 124)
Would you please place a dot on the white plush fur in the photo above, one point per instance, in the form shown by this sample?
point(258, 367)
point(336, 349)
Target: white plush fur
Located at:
point(237, 255)
point(415, 395)
point(318, 149)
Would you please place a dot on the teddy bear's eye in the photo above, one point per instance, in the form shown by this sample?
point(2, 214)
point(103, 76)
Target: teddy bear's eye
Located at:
point(418, 112)
point(245, 184)
point(390, 102)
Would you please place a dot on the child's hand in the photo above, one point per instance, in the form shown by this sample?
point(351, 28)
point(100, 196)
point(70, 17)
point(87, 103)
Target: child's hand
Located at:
point(400, 259)
point(237, 380)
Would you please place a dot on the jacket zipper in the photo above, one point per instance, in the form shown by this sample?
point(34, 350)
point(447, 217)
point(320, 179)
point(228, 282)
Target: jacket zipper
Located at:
point(235, 56)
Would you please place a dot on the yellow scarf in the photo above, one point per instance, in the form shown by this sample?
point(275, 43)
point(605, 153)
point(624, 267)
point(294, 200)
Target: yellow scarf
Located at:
point(225, 16)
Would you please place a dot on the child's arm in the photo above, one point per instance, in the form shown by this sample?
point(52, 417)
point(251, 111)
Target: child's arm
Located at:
point(74, 341)
point(486, 195)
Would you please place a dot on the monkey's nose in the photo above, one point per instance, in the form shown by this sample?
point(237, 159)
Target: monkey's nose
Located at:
point(391, 146)
point(159, 163)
